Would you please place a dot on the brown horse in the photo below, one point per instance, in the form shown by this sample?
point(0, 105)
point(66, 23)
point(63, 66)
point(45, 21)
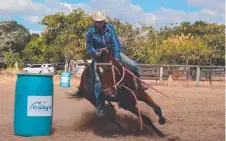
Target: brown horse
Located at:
point(119, 86)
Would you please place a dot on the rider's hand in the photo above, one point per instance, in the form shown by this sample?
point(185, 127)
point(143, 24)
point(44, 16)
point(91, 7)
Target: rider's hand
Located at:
point(98, 54)
point(117, 59)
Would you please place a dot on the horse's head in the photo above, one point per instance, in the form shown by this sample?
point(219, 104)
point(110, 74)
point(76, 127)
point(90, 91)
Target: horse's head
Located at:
point(108, 72)
point(104, 56)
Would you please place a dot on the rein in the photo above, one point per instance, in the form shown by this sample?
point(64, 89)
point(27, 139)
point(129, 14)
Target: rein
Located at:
point(124, 69)
point(118, 83)
point(144, 82)
point(113, 73)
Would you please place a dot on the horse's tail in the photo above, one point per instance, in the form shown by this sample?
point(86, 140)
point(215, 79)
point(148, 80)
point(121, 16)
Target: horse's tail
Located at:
point(82, 85)
point(78, 94)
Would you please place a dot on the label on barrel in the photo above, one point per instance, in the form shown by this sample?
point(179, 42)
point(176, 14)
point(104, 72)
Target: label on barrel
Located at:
point(39, 106)
point(64, 79)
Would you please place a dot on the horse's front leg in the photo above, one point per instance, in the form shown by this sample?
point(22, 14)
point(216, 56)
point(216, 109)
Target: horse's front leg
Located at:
point(146, 120)
point(143, 96)
point(111, 116)
point(115, 122)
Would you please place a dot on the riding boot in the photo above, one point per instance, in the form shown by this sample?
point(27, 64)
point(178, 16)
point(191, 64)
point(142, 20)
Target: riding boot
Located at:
point(100, 108)
point(100, 103)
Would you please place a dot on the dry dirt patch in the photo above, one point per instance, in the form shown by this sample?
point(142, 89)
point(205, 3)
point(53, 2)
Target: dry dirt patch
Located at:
point(193, 114)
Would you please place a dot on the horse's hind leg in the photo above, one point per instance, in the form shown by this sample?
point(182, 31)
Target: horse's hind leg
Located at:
point(145, 119)
point(148, 100)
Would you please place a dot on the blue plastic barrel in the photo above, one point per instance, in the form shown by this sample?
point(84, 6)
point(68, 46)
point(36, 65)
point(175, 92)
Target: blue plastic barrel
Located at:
point(33, 106)
point(65, 79)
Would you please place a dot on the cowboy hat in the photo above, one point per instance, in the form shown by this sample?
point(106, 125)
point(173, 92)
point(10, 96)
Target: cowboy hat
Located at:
point(99, 15)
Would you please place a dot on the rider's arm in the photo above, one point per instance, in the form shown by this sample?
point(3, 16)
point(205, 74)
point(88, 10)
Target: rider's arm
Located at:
point(116, 43)
point(89, 42)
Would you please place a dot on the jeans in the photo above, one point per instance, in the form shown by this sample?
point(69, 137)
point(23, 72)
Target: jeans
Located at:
point(130, 63)
point(124, 60)
point(97, 85)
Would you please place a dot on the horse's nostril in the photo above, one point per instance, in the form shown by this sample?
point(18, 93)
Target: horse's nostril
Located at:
point(111, 93)
point(114, 93)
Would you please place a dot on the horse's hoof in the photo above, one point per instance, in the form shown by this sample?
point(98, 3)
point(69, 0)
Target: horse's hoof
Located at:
point(122, 129)
point(162, 120)
point(160, 134)
point(100, 115)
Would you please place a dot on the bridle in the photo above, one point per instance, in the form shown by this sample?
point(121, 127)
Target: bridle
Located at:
point(113, 68)
point(117, 84)
point(123, 75)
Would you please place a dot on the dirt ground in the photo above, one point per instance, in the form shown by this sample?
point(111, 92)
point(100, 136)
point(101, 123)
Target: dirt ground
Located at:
point(192, 114)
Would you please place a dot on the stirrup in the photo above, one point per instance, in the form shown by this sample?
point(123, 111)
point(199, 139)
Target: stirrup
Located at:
point(101, 111)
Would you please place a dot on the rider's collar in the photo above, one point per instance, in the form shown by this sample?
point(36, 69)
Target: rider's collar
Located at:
point(106, 28)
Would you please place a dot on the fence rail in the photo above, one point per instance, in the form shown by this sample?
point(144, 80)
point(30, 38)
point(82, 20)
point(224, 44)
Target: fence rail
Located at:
point(195, 73)
point(159, 73)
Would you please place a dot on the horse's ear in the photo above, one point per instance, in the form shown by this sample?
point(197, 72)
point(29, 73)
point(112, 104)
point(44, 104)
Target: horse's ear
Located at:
point(104, 52)
point(105, 55)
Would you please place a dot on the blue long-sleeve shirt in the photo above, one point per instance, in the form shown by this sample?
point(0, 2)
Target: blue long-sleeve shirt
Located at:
point(95, 40)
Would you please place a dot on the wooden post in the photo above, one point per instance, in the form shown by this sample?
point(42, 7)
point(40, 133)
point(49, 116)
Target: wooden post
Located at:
point(161, 73)
point(210, 76)
point(197, 76)
point(66, 66)
point(187, 72)
point(16, 66)
point(156, 75)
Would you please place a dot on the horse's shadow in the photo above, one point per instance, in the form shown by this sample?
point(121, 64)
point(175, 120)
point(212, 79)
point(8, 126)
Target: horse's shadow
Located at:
point(102, 127)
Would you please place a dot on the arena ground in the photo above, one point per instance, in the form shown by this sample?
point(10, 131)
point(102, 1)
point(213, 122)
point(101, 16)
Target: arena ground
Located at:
point(193, 114)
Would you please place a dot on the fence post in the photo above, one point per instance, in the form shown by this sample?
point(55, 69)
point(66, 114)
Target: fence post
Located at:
point(156, 74)
point(17, 68)
point(197, 76)
point(210, 76)
point(161, 73)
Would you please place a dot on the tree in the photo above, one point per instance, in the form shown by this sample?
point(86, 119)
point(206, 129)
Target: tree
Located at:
point(13, 39)
point(183, 50)
point(211, 34)
point(66, 34)
point(13, 36)
point(36, 50)
point(11, 57)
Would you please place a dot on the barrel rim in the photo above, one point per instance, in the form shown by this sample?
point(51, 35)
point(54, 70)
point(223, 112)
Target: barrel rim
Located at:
point(35, 74)
point(66, 72)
